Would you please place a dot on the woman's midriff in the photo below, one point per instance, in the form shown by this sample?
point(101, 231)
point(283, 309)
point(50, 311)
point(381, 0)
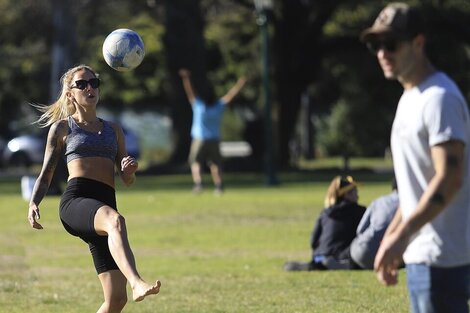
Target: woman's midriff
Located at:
point(96, 168)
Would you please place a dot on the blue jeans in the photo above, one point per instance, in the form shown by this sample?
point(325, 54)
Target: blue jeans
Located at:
point(438, 290)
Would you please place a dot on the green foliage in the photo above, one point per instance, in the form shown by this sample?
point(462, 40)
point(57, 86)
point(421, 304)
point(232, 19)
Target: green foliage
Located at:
point(314, 48)
point(334, 132)
point(232, 126)
point(23, 56)
point(226, 33)
point(145, 86)
point(212, 254)
point(232, 45)
point(353, 85)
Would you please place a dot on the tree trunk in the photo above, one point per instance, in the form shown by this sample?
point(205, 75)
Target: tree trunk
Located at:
point(185, 48)
point(298, 37)
point(64, 43)
point(63, 56)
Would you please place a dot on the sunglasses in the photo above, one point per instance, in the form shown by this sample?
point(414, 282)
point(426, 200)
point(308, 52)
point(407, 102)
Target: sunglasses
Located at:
point(390, 45)
point(82, 84)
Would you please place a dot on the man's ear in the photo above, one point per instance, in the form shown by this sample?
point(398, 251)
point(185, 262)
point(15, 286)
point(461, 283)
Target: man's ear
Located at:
point(420, 41)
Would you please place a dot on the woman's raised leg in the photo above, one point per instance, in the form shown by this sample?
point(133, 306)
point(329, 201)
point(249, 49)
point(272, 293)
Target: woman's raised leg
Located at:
point(109, 222)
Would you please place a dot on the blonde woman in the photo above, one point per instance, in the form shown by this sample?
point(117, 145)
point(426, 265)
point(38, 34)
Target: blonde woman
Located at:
point(334, 229)
point(93, 148)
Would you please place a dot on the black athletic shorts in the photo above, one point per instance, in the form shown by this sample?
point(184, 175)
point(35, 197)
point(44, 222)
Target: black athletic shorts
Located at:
point(205, 151)
point(78, 206)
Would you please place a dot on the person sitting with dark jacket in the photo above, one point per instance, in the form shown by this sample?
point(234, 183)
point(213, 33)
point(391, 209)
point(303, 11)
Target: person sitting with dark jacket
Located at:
point(334, 229)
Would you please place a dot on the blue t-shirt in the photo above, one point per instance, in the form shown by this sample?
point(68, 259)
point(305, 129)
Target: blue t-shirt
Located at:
point(206, 119)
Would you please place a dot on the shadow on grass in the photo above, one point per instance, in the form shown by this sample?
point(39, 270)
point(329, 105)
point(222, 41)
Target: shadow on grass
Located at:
point(179, 177)
point(258, 179)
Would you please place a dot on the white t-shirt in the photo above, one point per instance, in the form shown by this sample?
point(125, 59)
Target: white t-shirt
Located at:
point(429, 114)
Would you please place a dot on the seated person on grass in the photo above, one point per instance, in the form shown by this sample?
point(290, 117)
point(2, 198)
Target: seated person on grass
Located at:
point(334, 229)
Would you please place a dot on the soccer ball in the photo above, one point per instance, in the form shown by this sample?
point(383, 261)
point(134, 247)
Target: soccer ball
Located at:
point(123, 50)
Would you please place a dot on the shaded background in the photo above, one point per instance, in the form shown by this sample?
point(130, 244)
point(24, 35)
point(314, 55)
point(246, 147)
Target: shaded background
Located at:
point(328, 93)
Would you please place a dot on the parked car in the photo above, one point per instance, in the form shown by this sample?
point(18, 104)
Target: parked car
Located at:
point(27, 150)
point(24, 150)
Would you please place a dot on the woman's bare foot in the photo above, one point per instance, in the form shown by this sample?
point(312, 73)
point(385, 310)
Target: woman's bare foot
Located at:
point(142, 289)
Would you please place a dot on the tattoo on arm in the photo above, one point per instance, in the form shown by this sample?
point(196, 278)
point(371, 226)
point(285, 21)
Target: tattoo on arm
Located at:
point(51, 157)
point(437, 198)
point(453, 161)
point(39, 192)
point(54, 155)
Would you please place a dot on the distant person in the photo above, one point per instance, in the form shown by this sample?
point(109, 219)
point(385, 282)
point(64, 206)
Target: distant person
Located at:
point(371, 229)
point(94, 150)
point(205, 130)
point(334, 229)
point(430, 148)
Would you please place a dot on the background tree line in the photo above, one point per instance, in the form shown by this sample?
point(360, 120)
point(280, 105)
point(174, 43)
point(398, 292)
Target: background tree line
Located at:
point(322, 76)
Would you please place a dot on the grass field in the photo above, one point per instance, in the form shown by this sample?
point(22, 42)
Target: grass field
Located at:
point(212, 254)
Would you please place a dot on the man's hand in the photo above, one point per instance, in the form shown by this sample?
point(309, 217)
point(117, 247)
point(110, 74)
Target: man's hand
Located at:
point(184, 73)
point(389, 258)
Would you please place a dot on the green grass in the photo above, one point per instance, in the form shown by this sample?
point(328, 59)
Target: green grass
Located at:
point(354, 163)
point(212, 254)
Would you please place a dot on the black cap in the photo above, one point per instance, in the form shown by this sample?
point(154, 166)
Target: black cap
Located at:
point(398, 20)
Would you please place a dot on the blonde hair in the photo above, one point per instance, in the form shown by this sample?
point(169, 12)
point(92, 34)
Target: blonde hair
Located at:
point(63, 106)
point(339, 186)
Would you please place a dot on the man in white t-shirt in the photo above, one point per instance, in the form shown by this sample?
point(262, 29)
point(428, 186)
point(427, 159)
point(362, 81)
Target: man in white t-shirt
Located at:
point(430, 149)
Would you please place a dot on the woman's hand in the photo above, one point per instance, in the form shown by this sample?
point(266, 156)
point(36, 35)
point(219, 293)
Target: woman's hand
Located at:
point(33, 216)
point(129, 165)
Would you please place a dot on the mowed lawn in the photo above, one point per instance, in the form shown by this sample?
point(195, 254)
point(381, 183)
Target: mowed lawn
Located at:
point(212, 254)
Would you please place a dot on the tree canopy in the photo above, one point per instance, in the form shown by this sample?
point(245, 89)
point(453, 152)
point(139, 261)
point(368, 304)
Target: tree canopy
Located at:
point(314, 50)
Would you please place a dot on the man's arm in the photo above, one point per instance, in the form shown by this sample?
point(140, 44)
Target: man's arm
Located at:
point(394, 223)
point(188, 87)
point(228, 97)
point(448, 165)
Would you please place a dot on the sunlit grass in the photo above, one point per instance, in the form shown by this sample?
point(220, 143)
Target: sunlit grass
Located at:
point(212, 254)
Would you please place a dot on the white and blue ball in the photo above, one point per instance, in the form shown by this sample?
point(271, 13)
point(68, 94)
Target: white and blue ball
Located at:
point(123, 50)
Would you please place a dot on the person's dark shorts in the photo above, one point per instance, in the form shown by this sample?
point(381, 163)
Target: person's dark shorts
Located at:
point(78, 206)
point(205, 151)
